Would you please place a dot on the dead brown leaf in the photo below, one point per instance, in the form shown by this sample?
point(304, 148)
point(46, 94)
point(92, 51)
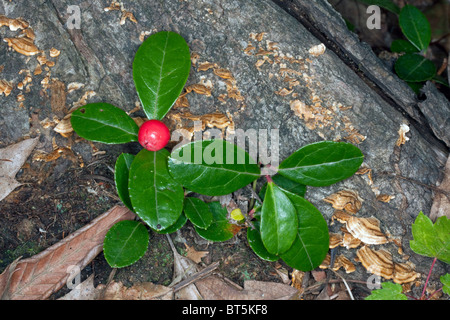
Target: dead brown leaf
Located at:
point(12, 159)
point(195, 255)
point(140, 291)
point(183, 268)
point(43, 274)
point(85, 291)
point(215, 288)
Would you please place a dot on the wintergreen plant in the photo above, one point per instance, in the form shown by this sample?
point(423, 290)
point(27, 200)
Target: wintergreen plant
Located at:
point(154, 184)
point(411, 66)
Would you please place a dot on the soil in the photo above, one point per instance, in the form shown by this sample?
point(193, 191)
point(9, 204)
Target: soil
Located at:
point(59, 197)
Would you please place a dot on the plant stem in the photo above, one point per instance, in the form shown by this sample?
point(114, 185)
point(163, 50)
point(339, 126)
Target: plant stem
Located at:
point(436, 291)
point(428, 278)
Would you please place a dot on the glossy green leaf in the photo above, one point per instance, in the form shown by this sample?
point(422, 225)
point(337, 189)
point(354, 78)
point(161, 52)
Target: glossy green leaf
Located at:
point(278, 220)
point(413, 67)
point(220, 229)
point(415, 27)
point(431, 240)
point(286, 184)
point(312, 239)
point(198, 212)
point(103, 122)
point(440, 79)
point(175, 227)
point(401, 45)
point(322, 163)
point(212, 167)
point(389, 291)
point(121, 174)
point(156, 197)
point(255, 242)
point(125, 243)
point(160, 70)
point(386, 4)
point(445, 280)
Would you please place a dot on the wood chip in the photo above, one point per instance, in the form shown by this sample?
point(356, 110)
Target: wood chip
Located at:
point(23, 46)
point(405, 273)
point(404, 129)
point(335, 240)
point(5, 88)
point(385, 197)
point(377, 262)
point(347, 200)
point(54, 52)
point(205, 66)
point(127, 15)
point(13, 24)
point(317, 50)
point(367, 230)
point(223, 73)
point(283, 92)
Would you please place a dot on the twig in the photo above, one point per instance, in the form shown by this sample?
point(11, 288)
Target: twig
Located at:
point(197, 276)
point(428, 278)
point(255, 196)
point(437, 189)
point(436, 291)
point(97, 177)
point(346, 285)
point(320, 283)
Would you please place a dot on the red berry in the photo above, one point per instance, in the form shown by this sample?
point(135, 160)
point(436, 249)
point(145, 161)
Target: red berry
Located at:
point(153, 135)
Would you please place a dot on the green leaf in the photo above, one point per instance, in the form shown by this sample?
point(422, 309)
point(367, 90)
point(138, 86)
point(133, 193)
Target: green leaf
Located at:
point(431, 240)
point(121, 174)
point(389, 291)
point(212, 167)
point(125, 243)
point(413, 67)
point(278, 220)
point(286, 184)
point(415, 27)
point(255, 242)
point(386, 4)
point(322, 164)
point(103, 122)
point(160, 70)
point(445, 280)
point(312, 239)
point(198, 212)
point(220, 229)
point(441, 80)
point(175, 227)
point(401, 45)
point(156, 197)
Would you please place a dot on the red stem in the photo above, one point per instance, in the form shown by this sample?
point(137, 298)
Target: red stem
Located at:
point(428, 278)
point(434, 293)
point(251, 213)
point(268, 177)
